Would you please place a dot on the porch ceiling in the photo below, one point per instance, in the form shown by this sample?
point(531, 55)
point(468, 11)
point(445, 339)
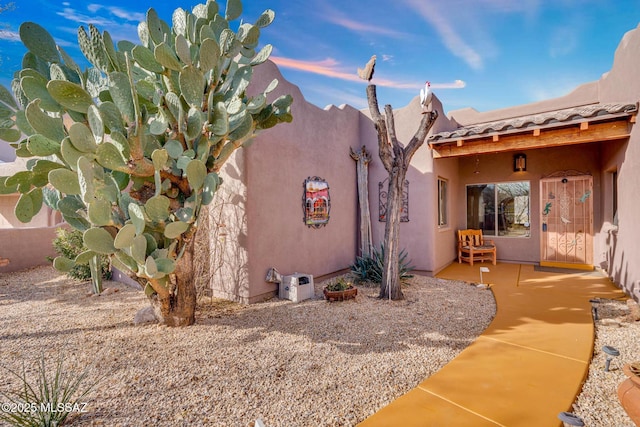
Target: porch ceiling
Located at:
point(578, 125)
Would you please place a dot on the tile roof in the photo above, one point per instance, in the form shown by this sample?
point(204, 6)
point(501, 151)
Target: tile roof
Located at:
point(556, 118)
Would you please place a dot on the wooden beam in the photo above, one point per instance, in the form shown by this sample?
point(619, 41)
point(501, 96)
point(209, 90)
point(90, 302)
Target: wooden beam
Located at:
point(596, 132)
point(584, 125)
point(633, 119)
point(459, 143)
point(536, 132)
point(496, 138)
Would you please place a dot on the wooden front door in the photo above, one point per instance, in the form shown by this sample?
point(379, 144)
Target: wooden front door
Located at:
point(567, 221)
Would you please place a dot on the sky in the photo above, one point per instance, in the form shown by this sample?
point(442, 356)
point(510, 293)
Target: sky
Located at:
point(483, 54)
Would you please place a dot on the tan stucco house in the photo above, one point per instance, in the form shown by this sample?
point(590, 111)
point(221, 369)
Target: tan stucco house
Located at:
point(553, 183)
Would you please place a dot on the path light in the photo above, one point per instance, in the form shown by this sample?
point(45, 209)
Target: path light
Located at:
point(611, 353)
point(594, 309)
point(483, 270)
point(570, 419)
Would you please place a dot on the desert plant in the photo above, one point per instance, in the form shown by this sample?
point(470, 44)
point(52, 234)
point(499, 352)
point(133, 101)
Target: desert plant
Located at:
point(341, 284)
point(69, 244)
point(47, 401)
point(369, 268)
point(148, 127)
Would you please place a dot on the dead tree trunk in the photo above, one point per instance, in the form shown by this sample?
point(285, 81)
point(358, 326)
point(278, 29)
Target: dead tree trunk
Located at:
point(395, 159)
point(362, 159)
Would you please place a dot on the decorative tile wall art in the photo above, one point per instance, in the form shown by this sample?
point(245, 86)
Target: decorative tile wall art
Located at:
point(316, 202)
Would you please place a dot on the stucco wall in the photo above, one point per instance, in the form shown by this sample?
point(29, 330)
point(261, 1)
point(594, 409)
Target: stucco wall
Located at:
point(26, 247)
point(622, 246)
point(7, 153)
point(268, 182)
point(228, 233)
point(45, 218)
point(269, 200)
point(445, 237)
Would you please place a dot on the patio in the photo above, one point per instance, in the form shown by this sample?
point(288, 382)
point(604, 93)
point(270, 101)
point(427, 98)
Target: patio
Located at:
point(528, 365)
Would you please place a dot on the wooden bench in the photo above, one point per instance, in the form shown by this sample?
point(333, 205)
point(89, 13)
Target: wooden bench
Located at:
point(472, 246)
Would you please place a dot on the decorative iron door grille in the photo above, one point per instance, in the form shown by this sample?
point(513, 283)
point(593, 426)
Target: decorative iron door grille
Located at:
point(383, 188)
point(567, 220)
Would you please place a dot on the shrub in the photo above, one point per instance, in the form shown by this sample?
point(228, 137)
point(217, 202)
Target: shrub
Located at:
point(69, 244)
point(47, 401)
point(369, 268)
point(341, 284)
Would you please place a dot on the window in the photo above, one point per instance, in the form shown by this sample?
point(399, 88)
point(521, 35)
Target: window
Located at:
point(442, 203)
point(500, 209)
point(614, 202)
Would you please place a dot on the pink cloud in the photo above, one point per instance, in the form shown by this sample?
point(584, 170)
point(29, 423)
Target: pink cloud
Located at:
point(329, 67)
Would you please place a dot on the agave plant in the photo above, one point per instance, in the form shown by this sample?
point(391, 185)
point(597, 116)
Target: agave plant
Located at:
point(47, 400)
point(369, 268)
point(129, 149)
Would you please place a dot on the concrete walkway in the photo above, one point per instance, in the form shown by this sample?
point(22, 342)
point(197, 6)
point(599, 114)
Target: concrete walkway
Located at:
point(527, 366)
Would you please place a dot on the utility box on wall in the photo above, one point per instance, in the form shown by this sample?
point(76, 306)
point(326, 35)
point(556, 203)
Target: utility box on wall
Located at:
point(296, 287)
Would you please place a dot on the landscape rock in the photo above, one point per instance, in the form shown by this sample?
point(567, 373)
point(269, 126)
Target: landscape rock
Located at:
point(634, 310)
point(144, 316)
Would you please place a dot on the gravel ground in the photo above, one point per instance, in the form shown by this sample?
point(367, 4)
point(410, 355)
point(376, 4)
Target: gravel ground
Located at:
point(598, 404)
point(312, 363)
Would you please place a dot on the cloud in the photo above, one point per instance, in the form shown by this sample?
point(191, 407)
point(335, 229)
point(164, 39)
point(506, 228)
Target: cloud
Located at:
point(339, 19)
point(73, 15)
point(456, 84)
point(121, 24)
point(447, 32)
point(11, 36)
point(118, 12)
point(329, 67)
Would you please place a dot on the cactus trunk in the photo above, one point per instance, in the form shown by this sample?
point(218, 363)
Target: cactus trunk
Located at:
point(178, 307)
point(96, 275)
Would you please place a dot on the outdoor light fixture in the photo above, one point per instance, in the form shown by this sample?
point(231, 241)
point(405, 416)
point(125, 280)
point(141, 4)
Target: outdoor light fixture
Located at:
point(483, 270)
point(570, 419)
point(520, 163)
point(594, 308)
point(611, 353)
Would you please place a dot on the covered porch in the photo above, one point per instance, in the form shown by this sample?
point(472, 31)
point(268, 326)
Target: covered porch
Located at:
point(543, 186)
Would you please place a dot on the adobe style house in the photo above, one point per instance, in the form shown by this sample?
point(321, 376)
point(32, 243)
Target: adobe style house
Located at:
point(553, 183)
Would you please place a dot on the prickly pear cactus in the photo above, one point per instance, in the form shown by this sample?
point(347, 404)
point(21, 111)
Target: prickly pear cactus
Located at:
point(128, 150)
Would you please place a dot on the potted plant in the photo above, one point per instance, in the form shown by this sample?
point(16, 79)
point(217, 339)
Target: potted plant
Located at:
point(629, 391)
point(340, 290)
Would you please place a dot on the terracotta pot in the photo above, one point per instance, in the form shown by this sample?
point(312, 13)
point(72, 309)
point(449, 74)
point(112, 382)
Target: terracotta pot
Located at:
point(629, 394)
point(340, 295)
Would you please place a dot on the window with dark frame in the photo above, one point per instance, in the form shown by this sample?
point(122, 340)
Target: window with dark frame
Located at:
point(443, 219)
point(499, 209)
point(614, 200)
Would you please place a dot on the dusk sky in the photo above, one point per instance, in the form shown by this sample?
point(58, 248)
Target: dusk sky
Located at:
point(485, 54)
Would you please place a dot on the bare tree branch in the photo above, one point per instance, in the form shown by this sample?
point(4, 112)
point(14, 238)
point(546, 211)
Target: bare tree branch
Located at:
point(391, 124)
point(384, 145)
point(416, 142)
